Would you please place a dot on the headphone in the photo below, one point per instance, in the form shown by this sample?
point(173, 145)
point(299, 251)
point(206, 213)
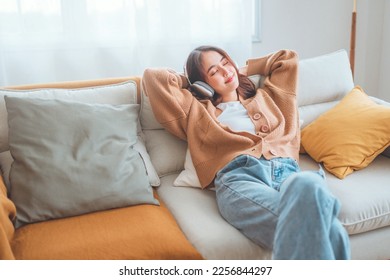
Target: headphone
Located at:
point(199, 87)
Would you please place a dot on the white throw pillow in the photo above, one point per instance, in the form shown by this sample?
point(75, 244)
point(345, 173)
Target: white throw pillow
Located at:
point(188, 177)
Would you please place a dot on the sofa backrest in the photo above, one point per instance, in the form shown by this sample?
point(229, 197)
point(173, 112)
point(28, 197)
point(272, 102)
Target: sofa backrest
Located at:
point(323, 81)
point(324, 78)
point(166, 151)
point(93, 91)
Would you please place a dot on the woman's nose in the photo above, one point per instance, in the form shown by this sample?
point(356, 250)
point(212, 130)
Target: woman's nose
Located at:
point(225, 71)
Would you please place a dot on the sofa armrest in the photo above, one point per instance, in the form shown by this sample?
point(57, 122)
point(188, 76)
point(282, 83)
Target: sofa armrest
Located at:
point(380, 101)
point(386, 152)
point(7, 214)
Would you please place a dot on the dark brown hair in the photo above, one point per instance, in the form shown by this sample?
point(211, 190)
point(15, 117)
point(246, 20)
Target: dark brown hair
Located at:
point(195, 72)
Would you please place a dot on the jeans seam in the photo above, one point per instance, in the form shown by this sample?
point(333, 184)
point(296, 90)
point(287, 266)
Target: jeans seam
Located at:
point(249, 199)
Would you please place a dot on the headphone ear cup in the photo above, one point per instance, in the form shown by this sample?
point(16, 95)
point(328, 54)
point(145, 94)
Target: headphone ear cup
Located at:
point(203, 89)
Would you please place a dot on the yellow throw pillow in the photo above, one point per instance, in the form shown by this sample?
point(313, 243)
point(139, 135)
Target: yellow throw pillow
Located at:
point(349, 136)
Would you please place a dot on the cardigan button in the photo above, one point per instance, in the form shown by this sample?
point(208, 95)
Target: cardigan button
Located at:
point(256, 116)
point(264, 128)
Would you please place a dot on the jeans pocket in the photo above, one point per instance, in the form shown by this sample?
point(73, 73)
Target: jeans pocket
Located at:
point(282, 168)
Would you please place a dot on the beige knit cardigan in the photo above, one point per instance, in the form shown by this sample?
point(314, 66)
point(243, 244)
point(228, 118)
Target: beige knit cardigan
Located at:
point(212, 145)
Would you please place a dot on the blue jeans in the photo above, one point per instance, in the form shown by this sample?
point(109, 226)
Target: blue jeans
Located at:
point(281, 208)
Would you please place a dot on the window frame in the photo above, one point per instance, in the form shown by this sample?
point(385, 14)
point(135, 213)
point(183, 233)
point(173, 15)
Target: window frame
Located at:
point(256, 21)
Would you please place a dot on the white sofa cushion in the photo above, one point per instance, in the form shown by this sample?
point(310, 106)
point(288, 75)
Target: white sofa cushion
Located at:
point(324, 78)
point(147, 119)
point(197, 213)
point(364, 196)
point(167, 152)
point(310, 112)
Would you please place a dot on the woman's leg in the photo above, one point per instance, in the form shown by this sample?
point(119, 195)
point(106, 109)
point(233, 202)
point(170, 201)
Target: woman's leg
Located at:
point(298, 222)
point(245, 199)
point(308, 227)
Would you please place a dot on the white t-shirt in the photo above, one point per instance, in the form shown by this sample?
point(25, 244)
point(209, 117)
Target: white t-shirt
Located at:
point(235, 116)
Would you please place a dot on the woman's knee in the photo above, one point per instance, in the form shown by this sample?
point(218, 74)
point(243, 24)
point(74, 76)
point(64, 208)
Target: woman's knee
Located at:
point(306, 186)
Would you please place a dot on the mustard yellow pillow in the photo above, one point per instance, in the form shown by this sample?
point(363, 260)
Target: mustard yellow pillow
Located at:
point(350, 135)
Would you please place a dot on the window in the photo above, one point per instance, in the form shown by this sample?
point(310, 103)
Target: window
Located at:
point(51, 40)
point(256, 21)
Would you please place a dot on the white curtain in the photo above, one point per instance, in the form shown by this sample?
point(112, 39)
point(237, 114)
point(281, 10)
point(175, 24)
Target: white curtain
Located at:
point(58, 40)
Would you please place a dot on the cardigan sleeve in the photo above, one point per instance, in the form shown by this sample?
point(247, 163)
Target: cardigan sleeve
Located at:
point(279, 68)
point(169, 99)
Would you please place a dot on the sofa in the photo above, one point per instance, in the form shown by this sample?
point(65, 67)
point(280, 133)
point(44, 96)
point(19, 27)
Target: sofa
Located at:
point(159, 211)
point(119, 215)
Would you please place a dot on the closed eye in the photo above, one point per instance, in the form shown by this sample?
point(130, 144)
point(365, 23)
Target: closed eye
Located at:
point(213, 72)
point(214, 68)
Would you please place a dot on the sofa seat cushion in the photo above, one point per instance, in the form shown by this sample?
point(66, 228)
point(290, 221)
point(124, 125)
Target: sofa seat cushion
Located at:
point(197, 213)
point(364, 195)
point(134, 232)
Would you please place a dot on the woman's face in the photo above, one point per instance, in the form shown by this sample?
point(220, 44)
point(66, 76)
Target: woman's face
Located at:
point(221, 75)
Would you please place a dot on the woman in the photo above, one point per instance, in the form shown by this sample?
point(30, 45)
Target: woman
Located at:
point(245, 142)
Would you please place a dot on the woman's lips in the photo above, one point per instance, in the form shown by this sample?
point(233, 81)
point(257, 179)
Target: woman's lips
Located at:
point(229, 79)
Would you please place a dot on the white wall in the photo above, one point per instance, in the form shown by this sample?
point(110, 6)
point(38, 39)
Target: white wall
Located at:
point(384, 83)
point(369, 45)
point(315, 27)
